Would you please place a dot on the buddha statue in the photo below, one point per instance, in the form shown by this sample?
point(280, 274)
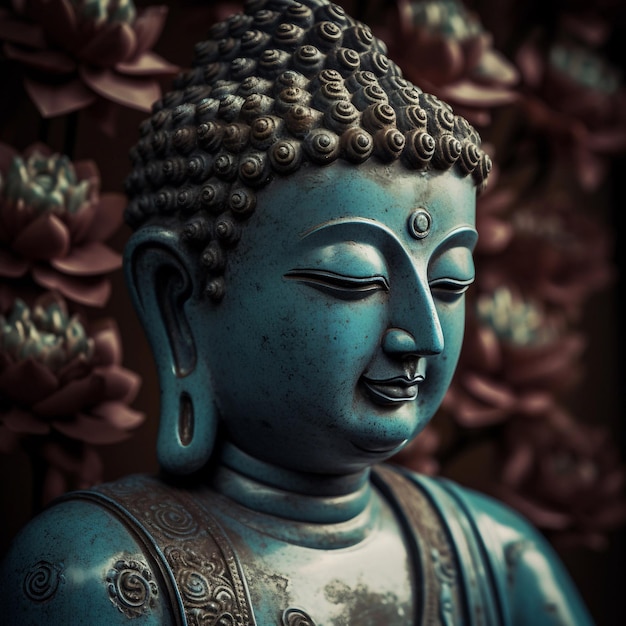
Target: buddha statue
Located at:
point(304, 220)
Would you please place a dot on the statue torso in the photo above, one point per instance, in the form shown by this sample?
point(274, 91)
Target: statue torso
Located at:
point(226, 564)
point(140, 551)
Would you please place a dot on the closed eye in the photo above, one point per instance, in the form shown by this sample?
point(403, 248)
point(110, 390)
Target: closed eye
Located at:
point(339, 285)
point(449, 289)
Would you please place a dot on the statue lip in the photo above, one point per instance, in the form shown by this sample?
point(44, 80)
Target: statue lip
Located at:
point(382, 450)
point(395, 390)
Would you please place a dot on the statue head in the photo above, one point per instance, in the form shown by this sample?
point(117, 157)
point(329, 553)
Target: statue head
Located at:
point(304, 225)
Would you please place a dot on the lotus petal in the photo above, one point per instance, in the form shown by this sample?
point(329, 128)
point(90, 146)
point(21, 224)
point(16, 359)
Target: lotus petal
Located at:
point(518, 465)
point(87, 169)
point(488, 391)
point(469, 93)
point(495, 67)
point(88, 260)
point(110, 45)
point(44, 238)
point(78, 367)
point(46, 61)
point(27, 382)
point(72, 398)
point(60, 19)
point(148, 27)
point(118, 415)
point(90, 291)
point(535, 403)
point(108, 344)
point(25, 423)
point(147, 64)
point(471, 414)
point(79, 223)
point(91, 430)
point(130, 92)
point(121, 383)
point(54, 100)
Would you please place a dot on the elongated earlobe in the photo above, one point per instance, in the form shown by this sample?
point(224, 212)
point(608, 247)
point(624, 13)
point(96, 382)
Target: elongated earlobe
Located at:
point(188, 422)
point(160, 281)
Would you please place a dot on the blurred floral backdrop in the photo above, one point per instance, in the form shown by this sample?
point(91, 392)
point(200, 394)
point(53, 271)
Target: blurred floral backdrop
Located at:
point(533, 415)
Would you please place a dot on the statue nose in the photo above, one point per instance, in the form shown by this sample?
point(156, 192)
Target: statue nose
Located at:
point(399, 342)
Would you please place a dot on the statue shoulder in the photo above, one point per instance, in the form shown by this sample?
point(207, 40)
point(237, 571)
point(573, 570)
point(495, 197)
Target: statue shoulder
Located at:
point(79, 563)
point(533, 582)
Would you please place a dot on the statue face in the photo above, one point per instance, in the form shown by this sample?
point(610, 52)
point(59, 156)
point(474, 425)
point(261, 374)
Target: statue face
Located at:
point(343, 316)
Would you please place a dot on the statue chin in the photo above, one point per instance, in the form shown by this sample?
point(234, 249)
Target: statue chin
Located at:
point(304, 225)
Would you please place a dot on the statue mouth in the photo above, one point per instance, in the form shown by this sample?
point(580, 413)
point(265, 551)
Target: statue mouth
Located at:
point(392, 391)
point(386, 449)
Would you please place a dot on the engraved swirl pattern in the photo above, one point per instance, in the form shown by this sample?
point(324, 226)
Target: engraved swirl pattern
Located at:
point(42, 581)
point(173, 519)
point(205, 586)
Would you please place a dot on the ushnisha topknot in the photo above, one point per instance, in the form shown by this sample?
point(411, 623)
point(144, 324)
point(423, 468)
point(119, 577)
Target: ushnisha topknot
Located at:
point(281, 84)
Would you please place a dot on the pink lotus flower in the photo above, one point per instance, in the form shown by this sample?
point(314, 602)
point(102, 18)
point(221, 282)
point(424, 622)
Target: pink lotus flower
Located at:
point(571, 250)
point(515, 360)
point(76, 54)
point(443, 48)
point(564, 476)
point(53, 223)
point(57, 377)
point(575, 97)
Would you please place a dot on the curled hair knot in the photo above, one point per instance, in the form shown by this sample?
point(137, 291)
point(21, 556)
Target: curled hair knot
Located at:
point(213, 196)
point(322, 146)
point(235, 137)
point(286, 156)
point(420, 148)
point(265, 131)
point(341, 115)
point(288, 36)
point(388, 144)
point(301, 119)
point(449, 152)
point(210, 135)
point(254, 169)
point(213, 257)
point(227, 230)
point(197, 231)
point(242, 202)
point(378, 116)
point(357, 144)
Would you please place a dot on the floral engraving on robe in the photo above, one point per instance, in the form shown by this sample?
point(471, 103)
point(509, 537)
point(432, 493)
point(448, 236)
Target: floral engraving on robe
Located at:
point(131, 586)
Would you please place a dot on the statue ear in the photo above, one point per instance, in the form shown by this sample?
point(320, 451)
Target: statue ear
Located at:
point(160, 275)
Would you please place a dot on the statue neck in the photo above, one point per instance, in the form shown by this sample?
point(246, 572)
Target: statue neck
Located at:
point(296, 497)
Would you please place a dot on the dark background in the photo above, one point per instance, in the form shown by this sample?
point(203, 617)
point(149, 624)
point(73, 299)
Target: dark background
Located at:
point(598, 399)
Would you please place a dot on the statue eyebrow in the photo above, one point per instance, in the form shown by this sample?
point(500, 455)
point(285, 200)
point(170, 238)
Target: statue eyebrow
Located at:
point(343, 221)
point(467, 236)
